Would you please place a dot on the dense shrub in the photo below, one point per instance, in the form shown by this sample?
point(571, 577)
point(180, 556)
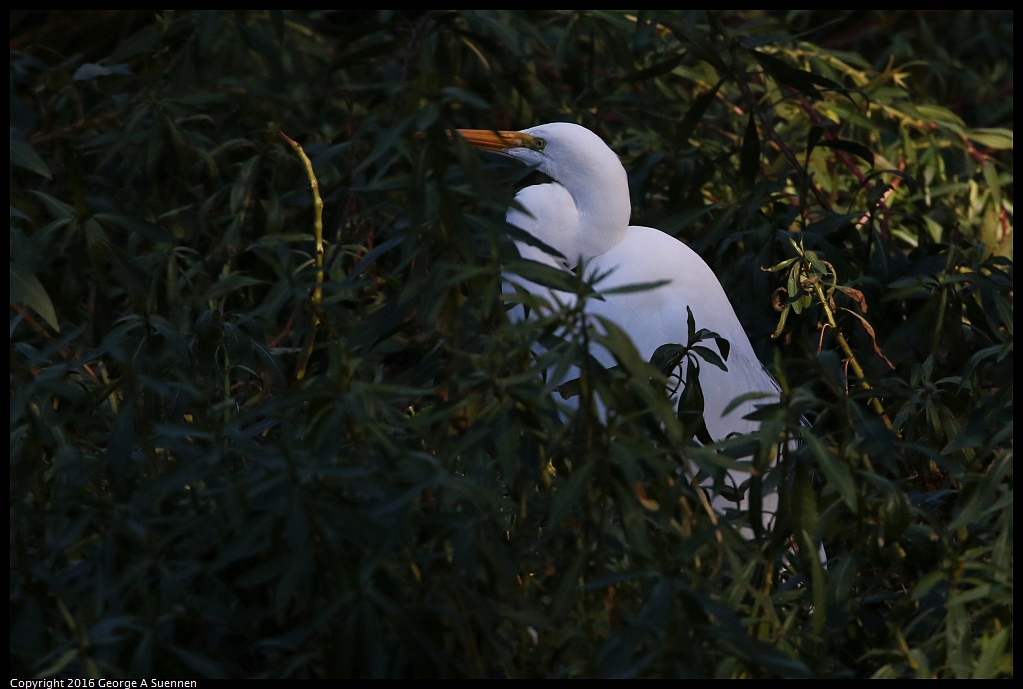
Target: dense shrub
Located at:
point(222, 466)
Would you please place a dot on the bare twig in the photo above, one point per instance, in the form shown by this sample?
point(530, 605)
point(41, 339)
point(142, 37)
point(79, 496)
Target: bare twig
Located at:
point(317, 297)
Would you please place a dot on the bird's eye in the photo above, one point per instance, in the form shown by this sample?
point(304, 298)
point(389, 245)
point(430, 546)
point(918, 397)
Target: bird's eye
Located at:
point(539, 144)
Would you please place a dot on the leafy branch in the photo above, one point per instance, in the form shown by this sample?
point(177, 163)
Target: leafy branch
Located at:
point(814, 280)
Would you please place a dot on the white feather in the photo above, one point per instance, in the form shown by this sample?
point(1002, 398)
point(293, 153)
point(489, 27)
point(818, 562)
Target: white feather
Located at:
point(584, 214)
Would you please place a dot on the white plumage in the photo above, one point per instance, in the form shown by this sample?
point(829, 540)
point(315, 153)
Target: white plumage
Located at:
point(584, 214)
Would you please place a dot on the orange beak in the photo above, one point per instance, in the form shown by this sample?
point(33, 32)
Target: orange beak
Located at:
point(490, 140)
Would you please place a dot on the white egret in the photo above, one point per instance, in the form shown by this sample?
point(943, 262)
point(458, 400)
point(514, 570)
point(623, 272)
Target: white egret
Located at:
point(584, 214)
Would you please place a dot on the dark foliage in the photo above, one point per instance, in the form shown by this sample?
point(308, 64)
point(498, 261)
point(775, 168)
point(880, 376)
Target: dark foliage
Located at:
point(221, 466)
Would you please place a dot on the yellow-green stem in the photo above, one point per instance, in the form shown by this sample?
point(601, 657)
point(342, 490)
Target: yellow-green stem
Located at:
point(317, 297)
point(850, 357)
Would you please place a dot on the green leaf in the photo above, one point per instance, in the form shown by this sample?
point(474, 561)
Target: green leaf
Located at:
point(801, 80)
point(835, 471)
point(570, 494)
point(998, 139)
point(638, 287)
point(544, 275)
point(228, 284)
point(691, 406)
point(857, 149)
point(23, 156)
point(693, 116)
point(700, 44)
point(994, 661)
point(941, 114)
point(662, 67)
point(26, 288)
point(749, 158)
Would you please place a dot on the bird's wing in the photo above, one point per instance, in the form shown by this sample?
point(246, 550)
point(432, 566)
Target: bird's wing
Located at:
point(547, 212)
point(658, 316)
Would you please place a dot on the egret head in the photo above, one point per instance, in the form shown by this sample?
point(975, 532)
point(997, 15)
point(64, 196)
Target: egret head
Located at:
point(583, 164)
point(567, 153)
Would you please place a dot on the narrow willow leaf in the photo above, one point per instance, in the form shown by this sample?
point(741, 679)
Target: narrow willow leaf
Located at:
point(26, 288)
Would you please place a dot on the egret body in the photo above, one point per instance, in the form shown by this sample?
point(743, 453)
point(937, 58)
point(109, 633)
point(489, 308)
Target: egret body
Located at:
point(584, 214)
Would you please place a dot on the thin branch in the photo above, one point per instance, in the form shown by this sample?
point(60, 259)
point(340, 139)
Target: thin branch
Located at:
point(317, 297)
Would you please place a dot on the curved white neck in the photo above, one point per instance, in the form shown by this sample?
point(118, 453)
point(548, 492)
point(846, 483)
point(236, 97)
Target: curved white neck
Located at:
point(604, 209)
